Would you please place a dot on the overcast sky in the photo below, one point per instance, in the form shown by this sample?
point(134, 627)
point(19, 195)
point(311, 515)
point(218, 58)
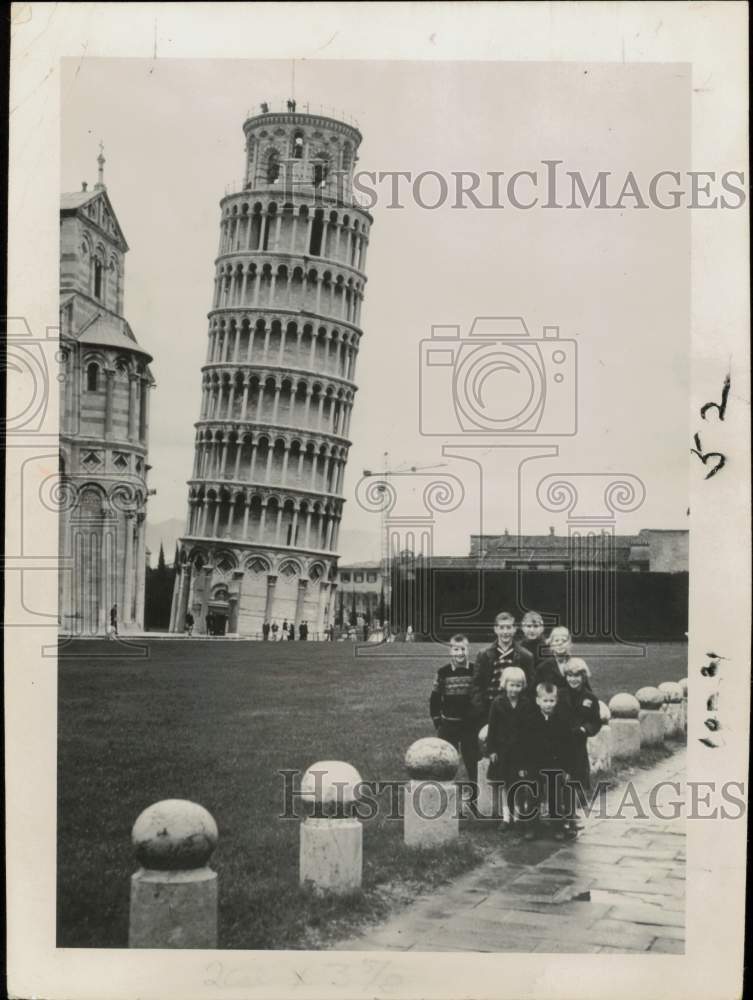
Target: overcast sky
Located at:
point(615, 281)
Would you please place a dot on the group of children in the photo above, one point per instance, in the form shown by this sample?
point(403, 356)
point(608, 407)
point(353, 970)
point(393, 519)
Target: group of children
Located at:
point(536, 699)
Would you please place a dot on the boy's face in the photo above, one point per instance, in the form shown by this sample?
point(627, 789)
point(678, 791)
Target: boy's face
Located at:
point(532, 630)
point(575, 681)
point(514, 688)
point(504, 632)
point(458, 652)
point(546, 702)
point(560, 642)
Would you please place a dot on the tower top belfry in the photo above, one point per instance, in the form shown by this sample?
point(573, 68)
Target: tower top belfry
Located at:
point(100, 185)
point(265, 498)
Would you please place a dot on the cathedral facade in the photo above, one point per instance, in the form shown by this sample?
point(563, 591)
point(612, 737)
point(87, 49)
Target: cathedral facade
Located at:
point(265, 496)
point(104, 423)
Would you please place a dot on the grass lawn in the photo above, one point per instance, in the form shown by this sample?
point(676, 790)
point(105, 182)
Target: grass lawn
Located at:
point(214, 721)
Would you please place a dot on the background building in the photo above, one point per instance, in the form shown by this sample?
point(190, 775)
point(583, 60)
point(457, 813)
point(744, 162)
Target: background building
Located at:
point(265, 498)
point(361, 592)
point(104, 424)
point(651, 550)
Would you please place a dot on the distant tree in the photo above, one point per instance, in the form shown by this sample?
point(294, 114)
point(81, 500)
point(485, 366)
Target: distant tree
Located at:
point(159, 594)
point(381, 608)
point(353, 612)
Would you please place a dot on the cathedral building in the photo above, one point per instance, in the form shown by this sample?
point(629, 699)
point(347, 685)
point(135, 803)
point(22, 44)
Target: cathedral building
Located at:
point(104, 423)
point(265, 496)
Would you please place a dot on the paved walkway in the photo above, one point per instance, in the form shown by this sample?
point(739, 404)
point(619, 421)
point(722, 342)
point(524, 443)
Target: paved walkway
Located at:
point(619, 888)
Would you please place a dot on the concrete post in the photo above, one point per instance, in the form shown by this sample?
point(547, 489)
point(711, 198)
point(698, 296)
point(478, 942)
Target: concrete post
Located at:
point(431, 815)
point(684, 688)
point(625, 730)
point(174, 893)
point(673, 702)
point(488, 801)
point(651, 716)
point(331, 838)
point(600, 745)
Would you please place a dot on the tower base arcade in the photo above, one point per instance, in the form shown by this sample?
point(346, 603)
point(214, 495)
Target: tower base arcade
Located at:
point(233, 589)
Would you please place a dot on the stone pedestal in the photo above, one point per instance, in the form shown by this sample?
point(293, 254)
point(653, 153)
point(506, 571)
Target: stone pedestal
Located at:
point(625, 738)
point(683, 685)
point(673, 720)
point(331, 854)
point(489, 798)
point(173, 909)
point(652, 726)
point(430, 813)
point(174, 893)
point(600, 749)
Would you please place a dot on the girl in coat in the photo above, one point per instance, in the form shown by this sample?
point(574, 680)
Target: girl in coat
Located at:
point(582, 707)
point(508, 717)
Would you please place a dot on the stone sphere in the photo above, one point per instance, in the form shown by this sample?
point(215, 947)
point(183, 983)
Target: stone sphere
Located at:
point(624, 706)
point(174, 835)
point(671, 691)
point(330, 784)
point(432, 759)
point(684, 686)
point(483, 735)
point(650, 698)
point(604, 714)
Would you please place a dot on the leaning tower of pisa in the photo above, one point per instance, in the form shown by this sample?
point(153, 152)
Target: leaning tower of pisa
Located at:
point(265, 497)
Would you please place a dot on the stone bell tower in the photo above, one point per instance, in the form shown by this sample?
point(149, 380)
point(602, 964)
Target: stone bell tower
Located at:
point(265, 497)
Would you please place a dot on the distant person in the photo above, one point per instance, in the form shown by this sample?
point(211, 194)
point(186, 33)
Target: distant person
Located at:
point(189, 623)
point(291, 631)
point(275, 630)
point(409, 636)
point(284, 629)
point(265, 631)
point(305, 627)
point(113, 621)
point(365, 632)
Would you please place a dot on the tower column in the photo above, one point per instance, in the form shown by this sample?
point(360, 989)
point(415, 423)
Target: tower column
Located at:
point(128, 579)
point(246, 512)
point(109, 377)
point(132, 405)
point(244, 402)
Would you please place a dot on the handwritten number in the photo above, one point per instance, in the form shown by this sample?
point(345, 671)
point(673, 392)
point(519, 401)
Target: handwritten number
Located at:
point(698, 450)
point(721, 407)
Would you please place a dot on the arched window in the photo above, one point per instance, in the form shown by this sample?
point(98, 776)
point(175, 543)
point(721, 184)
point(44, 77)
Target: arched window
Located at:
point(92, 377)
point(273, 167)
point(347, 156)
point(321, 169)
point(97, 279)
point(298, 145)
point(317, 232)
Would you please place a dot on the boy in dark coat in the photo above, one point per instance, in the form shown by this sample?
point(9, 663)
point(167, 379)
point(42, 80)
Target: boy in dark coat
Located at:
point(583, 713)
point(532, 627)
point(450, 706)
point(551, 668)
point(509, 717)
point(487, 672)
point(548, 754)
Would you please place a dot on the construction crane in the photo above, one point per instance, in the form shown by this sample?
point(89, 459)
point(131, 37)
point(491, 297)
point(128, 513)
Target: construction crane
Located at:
point(385, 540)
